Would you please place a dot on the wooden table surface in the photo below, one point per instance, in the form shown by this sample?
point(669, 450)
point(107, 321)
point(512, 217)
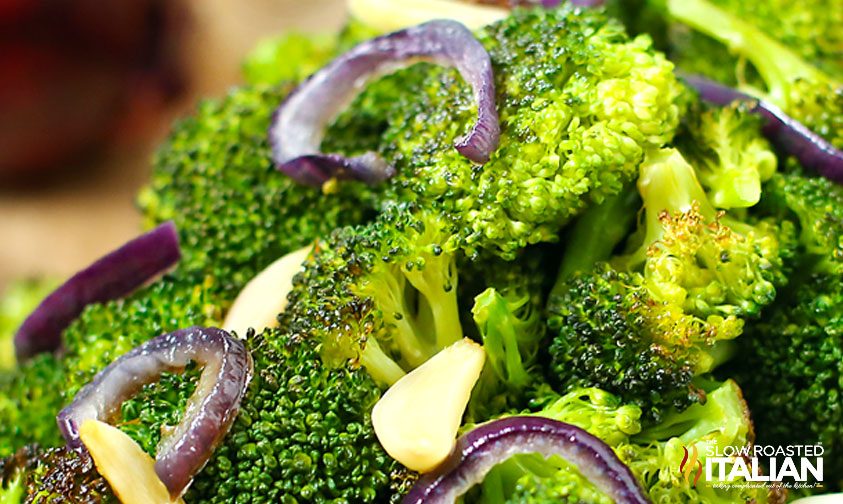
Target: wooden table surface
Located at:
point(58, 230)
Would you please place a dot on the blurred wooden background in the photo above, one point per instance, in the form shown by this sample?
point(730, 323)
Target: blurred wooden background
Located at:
point(57, 230)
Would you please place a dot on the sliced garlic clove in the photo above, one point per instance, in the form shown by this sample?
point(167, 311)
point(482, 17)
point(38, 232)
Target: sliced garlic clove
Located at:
point(391, 15)
point(417, 419)
point(128, 469)
point(265, 296)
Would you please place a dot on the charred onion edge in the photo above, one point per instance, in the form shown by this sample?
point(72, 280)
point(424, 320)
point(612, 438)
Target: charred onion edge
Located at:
point(299, 123)
point(226, 371)
point(813, 151)
point(113, 276)
point(491, 443)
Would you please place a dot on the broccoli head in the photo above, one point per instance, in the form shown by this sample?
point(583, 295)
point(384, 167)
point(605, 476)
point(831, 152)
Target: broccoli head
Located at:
point(303, 433)
point(579, 104)
point(792, 371)
point(655, 454)
point(805, 92)
point(383, 294)
point(234, 211)
point(730, 155)
point(816, 205)
point(531, 478)
point(646, 325)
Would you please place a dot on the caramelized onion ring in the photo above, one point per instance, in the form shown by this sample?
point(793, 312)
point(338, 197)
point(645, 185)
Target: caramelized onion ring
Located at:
point(226, 372)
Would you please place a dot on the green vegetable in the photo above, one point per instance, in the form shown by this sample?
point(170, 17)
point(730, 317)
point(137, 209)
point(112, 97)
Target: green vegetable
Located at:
point(816, 205)
point(644, 326)
point(802, 90)
point(16, 303)
point(730, 155)
point(234, 211)
point(655, 455)
point(792, 371)
point(577, 117)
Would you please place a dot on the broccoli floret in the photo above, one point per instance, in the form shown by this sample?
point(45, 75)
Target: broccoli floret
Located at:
point(730, 155)
point(579, 103)
point(646, 325)
point(43, 476)
point(792, 371)
point(511, 328)
point(655, 454)
point(234, 211)
point(30, 397)
point(303, 433)
point(533, 479)
point(802, 90)
point(816, 205)
point(16, 303)
point(383, 293)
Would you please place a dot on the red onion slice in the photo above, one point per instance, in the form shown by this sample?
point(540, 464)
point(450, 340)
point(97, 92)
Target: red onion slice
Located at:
point(111, 277)
point(491, 443)
point(793, 137)
point(226, 372)
point(299, 123)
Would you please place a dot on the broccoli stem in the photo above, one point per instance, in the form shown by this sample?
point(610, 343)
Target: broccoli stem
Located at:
point(776, 64)
point(596, 233)
point(439, 316)
point(379, 365)
point(391, 297)
point(667, 183)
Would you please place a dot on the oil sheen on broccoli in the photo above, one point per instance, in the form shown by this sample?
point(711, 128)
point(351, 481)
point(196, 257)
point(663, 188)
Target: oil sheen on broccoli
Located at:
point(645, 324)
point(580, 103)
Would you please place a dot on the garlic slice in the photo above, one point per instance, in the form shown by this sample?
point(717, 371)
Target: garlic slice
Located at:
point(128, 469)
point(417, 419)
point(265, 296)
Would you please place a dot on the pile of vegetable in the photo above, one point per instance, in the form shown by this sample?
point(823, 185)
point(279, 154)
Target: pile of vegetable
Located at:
point(539, 260)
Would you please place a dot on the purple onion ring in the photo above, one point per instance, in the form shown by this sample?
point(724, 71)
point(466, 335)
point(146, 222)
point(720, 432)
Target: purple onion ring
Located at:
point(489, 444)
point(299, 124)
point(111, 277)
point(813, 151)
point(226, 372)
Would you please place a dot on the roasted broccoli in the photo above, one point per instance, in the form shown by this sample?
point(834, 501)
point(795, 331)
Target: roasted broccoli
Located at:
point(792, 368)
point(235, 212)
point(816, 205)
point(731, 157)
point(16, 302)
point(579, 101)
point(644, 326)
point(655, 454)
point(799, 88)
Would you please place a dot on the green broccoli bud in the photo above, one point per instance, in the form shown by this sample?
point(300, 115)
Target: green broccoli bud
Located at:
point(234, 211)
point(792, 370)
point(802, 90)
point(573, 133)
point(816, 205)
point(731, 156)
point(656, 454)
